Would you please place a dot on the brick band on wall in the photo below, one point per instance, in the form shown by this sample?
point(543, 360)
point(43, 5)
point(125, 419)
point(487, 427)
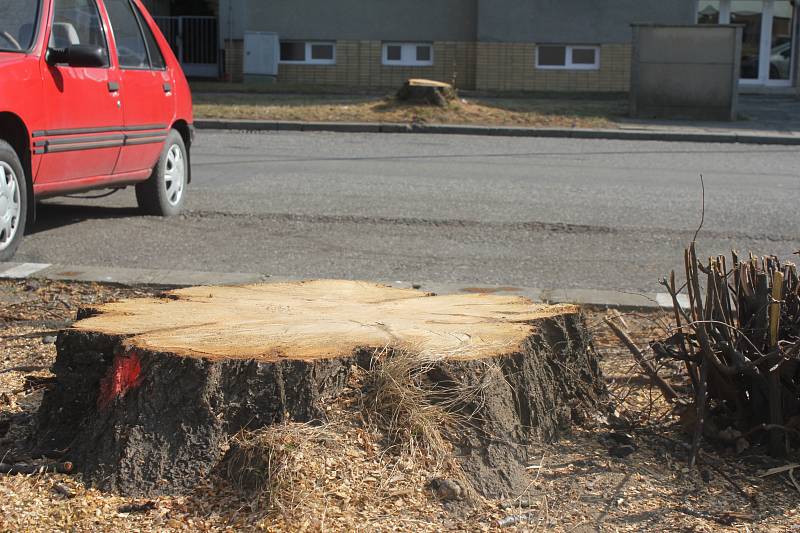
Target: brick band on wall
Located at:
point(359, 64)
point(512, 67)
point(234, 60)
point(482, 66)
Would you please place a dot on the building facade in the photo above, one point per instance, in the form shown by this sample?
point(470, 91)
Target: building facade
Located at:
point(492, 45)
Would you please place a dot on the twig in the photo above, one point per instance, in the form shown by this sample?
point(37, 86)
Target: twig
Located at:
point(777, 442)
point(794, 481)
point(703, 208)
point(665, 388)
point(617, 315)
point(780, 470)
point(705, 348)
point(63, 490)
point(520, 504)
point(790, 468)
point(137, 507)
point(770, 427)
point(515, 519)
point(23, 368)
point(722, 520)
point(53, 468)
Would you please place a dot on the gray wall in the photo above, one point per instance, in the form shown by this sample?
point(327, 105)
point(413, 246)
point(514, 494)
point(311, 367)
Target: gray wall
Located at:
point(539, 21)
point(685, 72)
point(575, 21)
point(232, 16)
point(374, 20)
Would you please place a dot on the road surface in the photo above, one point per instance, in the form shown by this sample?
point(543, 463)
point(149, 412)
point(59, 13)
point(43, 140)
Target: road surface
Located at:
point(550, 213)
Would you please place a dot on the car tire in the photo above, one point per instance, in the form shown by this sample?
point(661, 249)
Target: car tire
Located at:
point(164, 193)
point(13, 201)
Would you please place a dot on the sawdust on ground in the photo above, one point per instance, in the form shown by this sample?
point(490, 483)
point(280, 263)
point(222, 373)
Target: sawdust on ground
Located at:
point(357, 485)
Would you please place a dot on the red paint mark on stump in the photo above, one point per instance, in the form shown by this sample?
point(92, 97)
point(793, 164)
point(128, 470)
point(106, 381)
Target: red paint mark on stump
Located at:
point(122, 377)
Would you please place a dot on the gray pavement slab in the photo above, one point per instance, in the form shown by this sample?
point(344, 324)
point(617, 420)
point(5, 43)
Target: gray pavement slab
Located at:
point(187, 278)
point(629, 132)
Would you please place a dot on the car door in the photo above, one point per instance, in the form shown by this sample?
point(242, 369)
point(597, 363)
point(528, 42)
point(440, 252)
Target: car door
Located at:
point(84, 116)
point(148, 104)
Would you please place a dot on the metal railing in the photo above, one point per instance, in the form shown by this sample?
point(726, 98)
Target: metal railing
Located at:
point(195, 41)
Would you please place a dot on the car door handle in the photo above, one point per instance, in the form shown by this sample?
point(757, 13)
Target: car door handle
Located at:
point(113, 86)
point(167, 88)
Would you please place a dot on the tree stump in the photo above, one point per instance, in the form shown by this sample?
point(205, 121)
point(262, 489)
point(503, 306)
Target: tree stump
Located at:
point(147, 390)
point(426, 92)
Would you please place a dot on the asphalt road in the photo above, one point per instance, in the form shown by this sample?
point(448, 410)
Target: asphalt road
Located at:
point(548, 213)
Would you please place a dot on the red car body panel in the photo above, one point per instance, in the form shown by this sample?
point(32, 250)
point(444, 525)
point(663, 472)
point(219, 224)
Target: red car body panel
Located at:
point(145, 104)
point(92, 127)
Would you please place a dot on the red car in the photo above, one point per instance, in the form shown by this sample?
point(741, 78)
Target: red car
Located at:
point(91, 97)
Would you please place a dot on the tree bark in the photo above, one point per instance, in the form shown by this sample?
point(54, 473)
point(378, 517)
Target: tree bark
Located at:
point(148, 390)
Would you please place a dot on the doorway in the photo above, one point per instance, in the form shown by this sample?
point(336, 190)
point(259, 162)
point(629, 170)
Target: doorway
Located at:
point(191, 27)
point(768, 37)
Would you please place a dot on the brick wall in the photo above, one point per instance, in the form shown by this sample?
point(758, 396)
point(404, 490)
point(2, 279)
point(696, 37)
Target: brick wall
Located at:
point(234, 60)
point(358, 64)
point(512, 67)
point(482, 66)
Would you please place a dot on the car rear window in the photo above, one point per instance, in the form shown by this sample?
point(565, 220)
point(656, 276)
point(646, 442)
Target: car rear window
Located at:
point(156, 57)
point(18, 21)
point(131, 50)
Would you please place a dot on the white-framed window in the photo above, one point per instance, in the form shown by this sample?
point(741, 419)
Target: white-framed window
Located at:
point(408, 54)
point(567, 57)
point(308, 52)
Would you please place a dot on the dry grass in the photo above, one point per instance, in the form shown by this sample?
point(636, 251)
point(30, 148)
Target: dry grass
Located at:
point(538, 111)
point(266, 465)
point(335, 476)
point(400, 400)
point(416, 412)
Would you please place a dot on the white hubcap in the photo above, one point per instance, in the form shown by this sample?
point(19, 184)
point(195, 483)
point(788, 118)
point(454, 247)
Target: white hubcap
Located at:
point(175, 174)
point(10, 205)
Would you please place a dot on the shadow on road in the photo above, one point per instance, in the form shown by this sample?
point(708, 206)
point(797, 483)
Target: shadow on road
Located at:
point(53, 216)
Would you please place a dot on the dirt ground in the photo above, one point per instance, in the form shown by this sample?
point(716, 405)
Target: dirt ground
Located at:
point(532, 111)
point(344, 480)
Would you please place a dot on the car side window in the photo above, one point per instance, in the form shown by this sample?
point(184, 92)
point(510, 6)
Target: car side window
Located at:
point(131, 50)
point(77, 22)
point(156, 57)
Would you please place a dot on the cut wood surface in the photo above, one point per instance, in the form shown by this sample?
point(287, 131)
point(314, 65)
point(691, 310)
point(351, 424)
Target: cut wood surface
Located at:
point(426, 91)
point(419, 82)
point(148, 391)
point(319, 319)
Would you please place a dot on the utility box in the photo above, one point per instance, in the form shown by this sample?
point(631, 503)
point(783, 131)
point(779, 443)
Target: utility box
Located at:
point(261, 54)
point(689, 72)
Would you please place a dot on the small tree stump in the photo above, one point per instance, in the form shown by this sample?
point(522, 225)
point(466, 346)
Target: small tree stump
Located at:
point(427, 92)
point(148, 389)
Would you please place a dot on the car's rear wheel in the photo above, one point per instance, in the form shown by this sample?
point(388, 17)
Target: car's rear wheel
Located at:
point(13, 201)
point(163, 194)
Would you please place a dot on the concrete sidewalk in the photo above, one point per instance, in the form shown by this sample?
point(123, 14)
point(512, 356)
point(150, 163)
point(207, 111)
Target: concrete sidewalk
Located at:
point(184, 278)
point(628, 131)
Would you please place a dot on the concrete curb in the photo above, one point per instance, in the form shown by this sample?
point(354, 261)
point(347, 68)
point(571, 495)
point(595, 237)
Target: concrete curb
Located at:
point(184, 278)
point(500, 131)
